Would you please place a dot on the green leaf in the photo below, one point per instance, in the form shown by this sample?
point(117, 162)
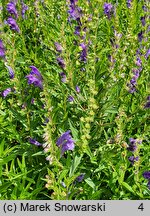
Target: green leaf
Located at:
point(128, 187)
point(73, 130)
point(90, 183)
point(38, 153)
point(75, 164)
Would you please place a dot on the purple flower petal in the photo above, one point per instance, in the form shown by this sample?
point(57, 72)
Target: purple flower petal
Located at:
point(63, 77)
point(80, 177)
point(35, 77)
point(13, 25)
point(11, 72)
point(2, 49)
point(24, 9)
point(108, 9)
point(132, 159)
point(6, 92)
point(70, 98)
point(146, 174)
point(58, 47)
point(11, 8)
point(77, 89)
point(34, 142)
point(61, 62)
point(147, 54)
point(65, 141)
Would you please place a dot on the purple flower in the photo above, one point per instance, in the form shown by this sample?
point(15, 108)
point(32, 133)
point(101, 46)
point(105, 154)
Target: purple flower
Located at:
point(148, 98)
point(34, 80)
point(6, 92)
point(129, 3)
point(24, 9)
point(131, 86)
point(73, 1)
point(74, 12)
point(32, 101)
point(77, 89)
point(11, 8)
point(146, 175)
point(144, 8)
point(143, 20)
point(136, 72)
point(35, 72)
point(13, 25)
point(108, 9)
point(132, 141)
point(35, 77)
point(147, 105)
point(61, 62)
point(70, 99)
point(132, 159)
point(132, 145)
point(58, 47)
point(147, 54)
point(77, 30)
point(34, 142)
point(133, 80)
point(65, 141)
point(132, 90)
point(83, 53)
point(140, 36)
point(80, 177)
point(2, 49)
point(138, 62)
point(11, 72)
point(63, 77)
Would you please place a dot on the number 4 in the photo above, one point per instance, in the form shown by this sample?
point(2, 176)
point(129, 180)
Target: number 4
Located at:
point(141, 207)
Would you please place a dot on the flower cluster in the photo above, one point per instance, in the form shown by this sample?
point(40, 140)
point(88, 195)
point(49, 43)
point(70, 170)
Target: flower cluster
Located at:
point(2, 49)
point(74, 11)
point(132, 159)
point(11, 72)
point(13, 25)
point(83, 54)
point(63, 77)
point(132, 145)
point(11, 8)
point(133, 148)
point(24, 9)
point(146, 175)
point(108, 9)
point(66, 142)
point(59, 59)
point(35, 77)
point(61, 62)
point(133, 81)
point(129, 3)
point(136, 73)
